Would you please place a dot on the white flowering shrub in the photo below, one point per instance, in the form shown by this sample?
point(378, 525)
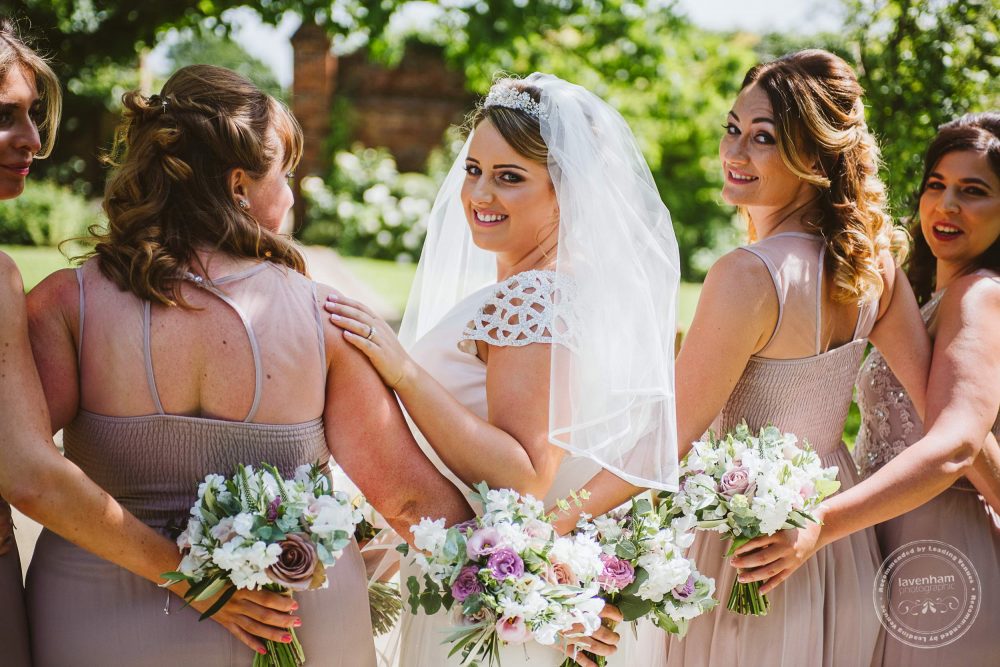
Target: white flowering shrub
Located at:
point(367, 208)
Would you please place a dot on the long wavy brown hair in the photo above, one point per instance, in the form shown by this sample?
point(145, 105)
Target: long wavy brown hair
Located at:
point(15, 53)
point(169, 195)
point(819, 113)
point(978, 132)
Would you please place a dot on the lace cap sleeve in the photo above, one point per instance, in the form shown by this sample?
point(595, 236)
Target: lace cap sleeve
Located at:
point(528, 307)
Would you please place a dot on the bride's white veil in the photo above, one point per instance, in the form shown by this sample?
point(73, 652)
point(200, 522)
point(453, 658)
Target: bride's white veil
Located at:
point(611, 391)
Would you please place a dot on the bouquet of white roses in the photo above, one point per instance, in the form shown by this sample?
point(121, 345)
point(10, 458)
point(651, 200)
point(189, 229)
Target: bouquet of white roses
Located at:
point(257, 530)
point(508, 575)
point(745, 485)
point(646, 574)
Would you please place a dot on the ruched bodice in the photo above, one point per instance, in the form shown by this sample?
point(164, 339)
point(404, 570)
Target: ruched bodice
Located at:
point(808, 397)
point(115, 453)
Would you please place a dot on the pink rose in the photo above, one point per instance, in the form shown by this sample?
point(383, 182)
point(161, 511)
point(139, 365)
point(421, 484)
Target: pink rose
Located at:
point(296, 567)
point(561, 573)
point(513, 630)
point(736, 481)
point(617, 573)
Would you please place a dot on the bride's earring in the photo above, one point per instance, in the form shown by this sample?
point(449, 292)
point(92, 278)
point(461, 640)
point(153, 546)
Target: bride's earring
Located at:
point(243, 204)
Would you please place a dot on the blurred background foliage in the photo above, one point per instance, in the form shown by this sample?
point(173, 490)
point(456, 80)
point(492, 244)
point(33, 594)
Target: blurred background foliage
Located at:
point(922, 63)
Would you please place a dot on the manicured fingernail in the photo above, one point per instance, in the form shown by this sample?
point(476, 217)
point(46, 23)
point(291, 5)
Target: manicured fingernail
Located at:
point(297, 623)
point(262, 651)
point(286, 639)
point(295, 605)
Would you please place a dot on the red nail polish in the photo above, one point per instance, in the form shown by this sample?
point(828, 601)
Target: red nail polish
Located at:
point(298, 622)
point(262, 651)
point(286, 638)
point(295, 605)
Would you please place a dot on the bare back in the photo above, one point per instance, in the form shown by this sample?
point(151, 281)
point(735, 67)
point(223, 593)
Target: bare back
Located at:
point(251, 350)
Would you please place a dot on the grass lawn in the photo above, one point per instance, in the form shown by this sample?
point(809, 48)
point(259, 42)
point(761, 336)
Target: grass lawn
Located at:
point(35, 263)
point(390, 279)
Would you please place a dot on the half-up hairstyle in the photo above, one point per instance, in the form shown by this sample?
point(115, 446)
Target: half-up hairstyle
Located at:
point(816, 100)
point(170, 194)
point(16, 54)
point(977, 132)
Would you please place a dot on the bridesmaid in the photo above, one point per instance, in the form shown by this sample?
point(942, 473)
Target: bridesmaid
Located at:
point(792, 313)
point(955, 272)
point(907, 465)
point(30, 103)
point(178, 350)
point(957, 245)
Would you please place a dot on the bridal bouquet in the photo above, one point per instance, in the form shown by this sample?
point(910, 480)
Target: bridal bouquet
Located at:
point(507, 574)
point(745, 485)
point(257, 530)
point(646, 574)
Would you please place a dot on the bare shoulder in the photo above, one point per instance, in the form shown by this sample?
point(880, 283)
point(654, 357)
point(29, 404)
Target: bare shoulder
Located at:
point(10, 275)
point(740, 277)
point(974, 298)
point(58, 293)
point(333, 336)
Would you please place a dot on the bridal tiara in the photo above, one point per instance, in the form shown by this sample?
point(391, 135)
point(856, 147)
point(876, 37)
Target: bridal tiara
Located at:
point(502, 95)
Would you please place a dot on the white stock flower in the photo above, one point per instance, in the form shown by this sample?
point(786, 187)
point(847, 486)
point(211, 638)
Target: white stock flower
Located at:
point(664, 575)
point(215, 482)
point(581, 553)
point(429, 535)
point(243, 524)
point(327, 514)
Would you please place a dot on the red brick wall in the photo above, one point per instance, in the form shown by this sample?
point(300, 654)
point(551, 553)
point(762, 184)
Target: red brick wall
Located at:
point(407, 108)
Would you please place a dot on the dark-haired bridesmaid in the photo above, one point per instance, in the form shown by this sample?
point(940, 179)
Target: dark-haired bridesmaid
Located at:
point(955, 267)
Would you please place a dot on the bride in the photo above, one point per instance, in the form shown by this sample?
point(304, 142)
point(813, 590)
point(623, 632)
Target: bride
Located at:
point(537, 345)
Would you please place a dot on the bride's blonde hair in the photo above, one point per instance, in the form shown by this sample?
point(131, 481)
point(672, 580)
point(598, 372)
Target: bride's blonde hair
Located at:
point(816, 100)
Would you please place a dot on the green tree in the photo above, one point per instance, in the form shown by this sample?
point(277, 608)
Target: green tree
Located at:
point(922, 64)
point(221, 50)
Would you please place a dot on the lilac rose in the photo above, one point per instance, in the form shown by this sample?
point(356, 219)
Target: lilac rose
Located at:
point(504, 563)
point(685, 590)
point(617, 573)
point(482, 542)
point(736, 481)
point(296, 566)
point(466, 584)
